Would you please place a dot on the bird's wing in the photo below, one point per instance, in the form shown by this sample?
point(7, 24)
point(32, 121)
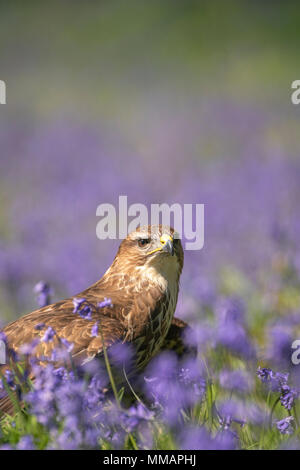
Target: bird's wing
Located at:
point(67, 325)
point(137, 317)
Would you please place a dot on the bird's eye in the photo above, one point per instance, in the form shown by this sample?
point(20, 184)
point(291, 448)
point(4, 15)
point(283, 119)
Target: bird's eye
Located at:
point(142, 242)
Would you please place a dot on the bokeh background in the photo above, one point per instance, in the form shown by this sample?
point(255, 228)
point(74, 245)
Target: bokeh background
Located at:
point(164, 101)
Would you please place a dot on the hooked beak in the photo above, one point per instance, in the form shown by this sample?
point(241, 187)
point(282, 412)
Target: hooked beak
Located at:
point(167, 244)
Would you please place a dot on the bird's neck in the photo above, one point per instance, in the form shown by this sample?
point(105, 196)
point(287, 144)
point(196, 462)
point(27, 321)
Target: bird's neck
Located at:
point(164, 276)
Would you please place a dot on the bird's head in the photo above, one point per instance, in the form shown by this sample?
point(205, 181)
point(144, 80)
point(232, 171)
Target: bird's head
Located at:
point(153, 246)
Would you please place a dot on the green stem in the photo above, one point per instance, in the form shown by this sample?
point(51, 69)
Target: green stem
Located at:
point(296, 415)
point(108, 368)
point(131, 388)
point(272, 411)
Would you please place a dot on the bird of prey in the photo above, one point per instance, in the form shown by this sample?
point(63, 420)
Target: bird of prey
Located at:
point(142, 284)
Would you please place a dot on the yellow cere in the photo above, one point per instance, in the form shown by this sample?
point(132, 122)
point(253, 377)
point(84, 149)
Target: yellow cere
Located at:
point(163, 240)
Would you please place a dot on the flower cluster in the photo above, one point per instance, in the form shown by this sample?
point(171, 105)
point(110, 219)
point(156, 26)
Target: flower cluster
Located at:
point(279, 382)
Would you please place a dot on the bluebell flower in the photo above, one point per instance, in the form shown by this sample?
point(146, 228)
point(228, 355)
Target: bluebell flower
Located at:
point(9, 378)
point(105, 303)
point(44, 291)
point(48, 335)
point(265, 374)
point(287, 396)
point(233, 336)
point(279, 349)
point(230, 310)
point(69, 346)
point(231, 411)
point(284, 426)
point(28, 348)
point(82, 307)
point(173, 386)
point(136, 415)
point(276, 380)
point(77, 304)
point(94, 331)
point(85, 312)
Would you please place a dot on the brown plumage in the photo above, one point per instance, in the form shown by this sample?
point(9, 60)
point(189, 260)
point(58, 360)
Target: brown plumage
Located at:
point(142, 283)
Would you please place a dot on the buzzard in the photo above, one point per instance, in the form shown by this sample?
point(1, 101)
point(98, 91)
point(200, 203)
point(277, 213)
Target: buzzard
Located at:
point(142, 284)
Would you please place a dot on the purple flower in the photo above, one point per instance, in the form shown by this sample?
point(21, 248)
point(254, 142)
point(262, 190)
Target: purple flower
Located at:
point(26, 443)
point(265, 374)
point(136, 415)
point(69, 346)
point(28, 348)
point(121, 355)
point(230, 310)
point(69, 397)
point(10, 378)
point(77, 304)
point(84, 311)
point(231, 411)
point(284, 426)
point(48, 335)
point(69, 404)
point(60, 354)
point(279, 345)
point(278, 382)
point(275, 379)
point(237, 380)
point(173, 386)
point(44, 291)
point(233, 337)
point(191, 376)
point(105, 303)
point(94, 331)
point(199, 336)
point(95, 392)
point(198, 438)
point(226, 421)
point(287, 396)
